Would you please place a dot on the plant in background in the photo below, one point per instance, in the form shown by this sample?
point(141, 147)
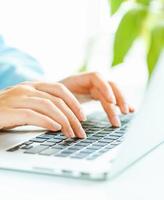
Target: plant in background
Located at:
point(143, 18)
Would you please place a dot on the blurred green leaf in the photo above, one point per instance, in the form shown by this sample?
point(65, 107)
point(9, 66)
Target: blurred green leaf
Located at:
point(83, 68)
point(144, 2)
point(128, 30)
point(115, 4)
point(156, 47)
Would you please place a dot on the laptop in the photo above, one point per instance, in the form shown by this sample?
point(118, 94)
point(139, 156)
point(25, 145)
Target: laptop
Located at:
point(105, 153)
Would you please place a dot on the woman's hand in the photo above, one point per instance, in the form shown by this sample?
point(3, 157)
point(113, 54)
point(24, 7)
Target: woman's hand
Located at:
point(54, 106)
point(51, 106)
point(92, 86)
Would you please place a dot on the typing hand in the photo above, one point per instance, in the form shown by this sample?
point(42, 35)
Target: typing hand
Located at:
point(51, 106)
point(92, 86)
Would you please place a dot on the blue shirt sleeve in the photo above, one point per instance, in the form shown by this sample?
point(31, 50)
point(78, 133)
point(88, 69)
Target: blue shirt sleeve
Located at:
point(17, 66)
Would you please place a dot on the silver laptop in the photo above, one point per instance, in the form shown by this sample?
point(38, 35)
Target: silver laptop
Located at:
point(106, 151)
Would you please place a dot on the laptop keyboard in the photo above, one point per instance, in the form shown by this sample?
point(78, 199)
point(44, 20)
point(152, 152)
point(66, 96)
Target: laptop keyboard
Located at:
point(101, 137)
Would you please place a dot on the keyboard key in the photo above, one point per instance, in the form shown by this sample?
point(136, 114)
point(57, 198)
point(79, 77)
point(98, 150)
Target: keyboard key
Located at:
point(92, 138)
point(111, 137)
point(104, 132)
point(93, 148)
point(92, 157)
point(38, 140)
point(60, 137)
point(115, 143)
point(86, 151)
point(36, 149)
point(47, 143)
point(97, 137)
point(72, 140)
point(28, 142)
point(58, 146)
point(103, 151)
point(68, 152)
point(61, 155)
point(84, 144)
point(55, 140)
point(99, 145)
point(107, 140)
point(121, 139)
point(46, 136)
point(65, 144)
point(111, 146)
point(103, 143)
point(109, 128)
point(26, 147)
point(100, 135)
point(49, 151)
point(89, 132)
point(89, 141)
point(76, 148)
point(119, 133)
point(79, 156)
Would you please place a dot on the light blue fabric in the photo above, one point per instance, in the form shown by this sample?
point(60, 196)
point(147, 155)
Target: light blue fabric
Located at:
point(16, 66)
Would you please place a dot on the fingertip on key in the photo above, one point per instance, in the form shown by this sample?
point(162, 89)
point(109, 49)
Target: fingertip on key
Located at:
point(116, 121)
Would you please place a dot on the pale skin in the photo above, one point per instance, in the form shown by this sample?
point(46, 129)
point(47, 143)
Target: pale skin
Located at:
point(57, 106)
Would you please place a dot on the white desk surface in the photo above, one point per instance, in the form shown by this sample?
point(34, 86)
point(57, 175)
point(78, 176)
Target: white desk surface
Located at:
point(143, 181)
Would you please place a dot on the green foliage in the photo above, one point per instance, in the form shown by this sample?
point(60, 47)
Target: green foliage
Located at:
point(144, 2)
point(115, 4)
point(83, 68)
point(128, 30)
point(138, 22)
point(156, 46)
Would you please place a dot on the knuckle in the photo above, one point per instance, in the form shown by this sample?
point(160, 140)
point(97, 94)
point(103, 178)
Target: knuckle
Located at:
point(74, 120)
point(95, 74)
point(47, 103)
point(22, 89)
point(113, 83)
point(60, 86)
point(59, 101)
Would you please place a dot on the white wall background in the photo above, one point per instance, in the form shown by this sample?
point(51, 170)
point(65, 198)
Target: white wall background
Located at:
point(53, 31)
point(56, 33)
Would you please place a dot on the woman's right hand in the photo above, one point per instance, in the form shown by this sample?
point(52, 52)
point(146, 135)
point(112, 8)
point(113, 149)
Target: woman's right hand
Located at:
point(50, 106)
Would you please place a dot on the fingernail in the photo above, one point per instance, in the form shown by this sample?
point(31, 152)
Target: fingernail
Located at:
point(116, 121)
point(82, 116)
point(132, 109)
point(82, 133)
point(70, 133)
point(56, 127)
point(125, 108)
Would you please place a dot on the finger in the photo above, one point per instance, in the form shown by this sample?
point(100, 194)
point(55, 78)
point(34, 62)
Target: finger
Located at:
point(121, 102)
point(18, 117)
point(131, 108)
point(73, 121)
point(47, 108)
point(110, 110)
point(59, 90)
point(104, 88)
